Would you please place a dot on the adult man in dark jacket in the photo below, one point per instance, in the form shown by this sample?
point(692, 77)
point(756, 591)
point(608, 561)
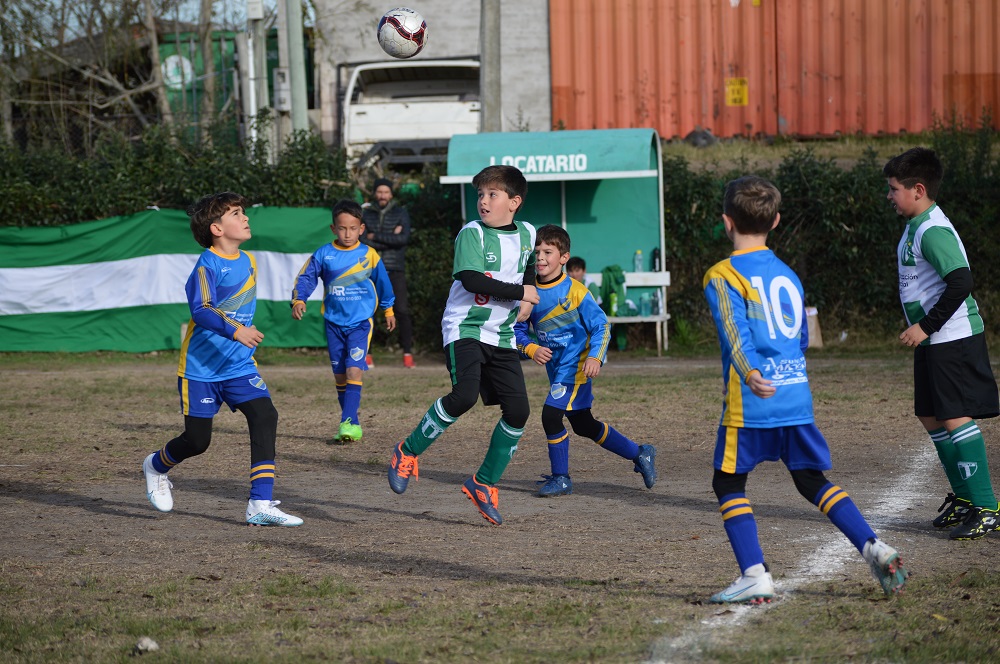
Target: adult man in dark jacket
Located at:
point(388, 232)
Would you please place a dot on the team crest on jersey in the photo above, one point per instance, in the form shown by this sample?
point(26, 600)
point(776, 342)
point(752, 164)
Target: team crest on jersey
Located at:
point(258, 382)
point(357, 354)
point(967, 469)
point(558, 390)
point(565, 303)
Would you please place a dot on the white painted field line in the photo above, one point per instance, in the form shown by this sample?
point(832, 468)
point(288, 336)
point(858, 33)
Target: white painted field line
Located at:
point(833, 553)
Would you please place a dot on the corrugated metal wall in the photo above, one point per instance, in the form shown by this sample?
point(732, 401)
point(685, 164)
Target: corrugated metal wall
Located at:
point(795, 67)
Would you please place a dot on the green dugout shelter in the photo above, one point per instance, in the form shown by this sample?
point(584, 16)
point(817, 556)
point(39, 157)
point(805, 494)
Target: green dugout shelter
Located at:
point(604, 186)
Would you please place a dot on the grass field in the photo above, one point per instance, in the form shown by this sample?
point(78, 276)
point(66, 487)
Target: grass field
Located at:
point(612, 573)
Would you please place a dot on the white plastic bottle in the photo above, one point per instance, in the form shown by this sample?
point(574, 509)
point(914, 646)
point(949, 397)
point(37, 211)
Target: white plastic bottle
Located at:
point(637, 265)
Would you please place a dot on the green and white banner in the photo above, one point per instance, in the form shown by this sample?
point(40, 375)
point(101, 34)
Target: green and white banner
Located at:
point(118, 283)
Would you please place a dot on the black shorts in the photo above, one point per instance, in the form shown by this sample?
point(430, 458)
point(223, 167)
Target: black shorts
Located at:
point(481, 370)
point(954, 379)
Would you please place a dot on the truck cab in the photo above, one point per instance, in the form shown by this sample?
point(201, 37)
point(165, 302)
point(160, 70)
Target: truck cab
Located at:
point(404, 112)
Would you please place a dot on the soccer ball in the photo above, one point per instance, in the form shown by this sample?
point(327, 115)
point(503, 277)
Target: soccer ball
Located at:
point(402, 32)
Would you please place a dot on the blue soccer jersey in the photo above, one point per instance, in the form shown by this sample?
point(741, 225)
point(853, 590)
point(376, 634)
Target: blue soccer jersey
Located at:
point(756, 301)
point(355, 283)
point(569, 322)
point(222, 295)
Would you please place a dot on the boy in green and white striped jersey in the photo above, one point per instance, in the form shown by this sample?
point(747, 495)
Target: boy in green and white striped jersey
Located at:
point(494, 271)
point(953, 383)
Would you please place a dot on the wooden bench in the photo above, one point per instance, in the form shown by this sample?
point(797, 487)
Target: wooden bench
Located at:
point(658, 280)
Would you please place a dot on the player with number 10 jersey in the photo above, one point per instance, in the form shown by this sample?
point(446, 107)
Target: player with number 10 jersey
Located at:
point(757, 303)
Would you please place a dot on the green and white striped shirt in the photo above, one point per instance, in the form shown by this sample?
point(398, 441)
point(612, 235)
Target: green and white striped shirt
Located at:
point(929, 249)
point(501, 255)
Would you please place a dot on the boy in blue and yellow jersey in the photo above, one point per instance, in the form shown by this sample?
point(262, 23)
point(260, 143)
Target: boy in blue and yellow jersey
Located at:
point(217, 364)
point(355, 284)
point(756, 301)
point(573, 334)
point(953, 382)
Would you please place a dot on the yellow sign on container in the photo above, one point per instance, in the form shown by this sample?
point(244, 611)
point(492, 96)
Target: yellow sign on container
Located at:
point(737, 91)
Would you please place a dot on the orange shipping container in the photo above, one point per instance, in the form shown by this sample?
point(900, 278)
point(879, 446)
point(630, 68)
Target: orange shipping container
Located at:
point(766, 67)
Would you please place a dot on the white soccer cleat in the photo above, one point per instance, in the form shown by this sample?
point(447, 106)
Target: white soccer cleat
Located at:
point(886, 566)
point(157, 486)
point(266, 513)
point(747, 590)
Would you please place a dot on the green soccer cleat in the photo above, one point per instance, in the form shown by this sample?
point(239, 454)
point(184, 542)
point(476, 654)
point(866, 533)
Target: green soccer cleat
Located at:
point(348, 432)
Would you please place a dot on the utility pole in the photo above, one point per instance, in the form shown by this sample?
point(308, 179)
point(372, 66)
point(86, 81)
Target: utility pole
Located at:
point(297, 65)
point(489, 66)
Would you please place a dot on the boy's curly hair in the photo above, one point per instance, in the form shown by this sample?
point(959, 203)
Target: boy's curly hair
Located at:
point(208, 210)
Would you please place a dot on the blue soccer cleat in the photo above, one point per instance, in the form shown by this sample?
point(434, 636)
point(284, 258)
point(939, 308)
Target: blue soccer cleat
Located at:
point(485, 498)
point(555, 485)
point(401, 466)
point(644, 465)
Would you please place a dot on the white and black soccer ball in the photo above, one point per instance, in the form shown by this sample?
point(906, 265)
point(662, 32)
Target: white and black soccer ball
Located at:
point(402, 32)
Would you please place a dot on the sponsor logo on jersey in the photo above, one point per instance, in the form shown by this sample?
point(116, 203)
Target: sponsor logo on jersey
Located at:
point(225, 269)
point(967, 469)
point(491, 257)
point(482, 300)
point(258, 382)
point(785, 372)
point(338, 291)
point(558, 390)
point(357, 354)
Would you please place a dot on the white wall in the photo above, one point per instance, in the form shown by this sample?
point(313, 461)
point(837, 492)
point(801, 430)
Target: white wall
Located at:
point(346, 30)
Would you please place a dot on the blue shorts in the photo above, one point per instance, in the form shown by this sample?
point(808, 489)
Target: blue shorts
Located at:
point(739, 450)
point(348, 346)
point(570, 397)
point(201, 399)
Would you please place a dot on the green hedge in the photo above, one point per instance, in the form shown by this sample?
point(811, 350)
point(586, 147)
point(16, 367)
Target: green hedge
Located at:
point(837, 229)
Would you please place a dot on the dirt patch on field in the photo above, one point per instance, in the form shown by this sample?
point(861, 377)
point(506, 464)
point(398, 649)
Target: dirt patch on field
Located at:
point(70, 484)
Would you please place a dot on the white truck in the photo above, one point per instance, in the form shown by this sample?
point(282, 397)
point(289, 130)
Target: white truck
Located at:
point(404, 112)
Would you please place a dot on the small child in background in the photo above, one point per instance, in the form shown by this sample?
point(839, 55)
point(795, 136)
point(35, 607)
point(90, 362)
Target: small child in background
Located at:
point(355, 284)
point(573, 335)
point(767, 413)
point(576, 268)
